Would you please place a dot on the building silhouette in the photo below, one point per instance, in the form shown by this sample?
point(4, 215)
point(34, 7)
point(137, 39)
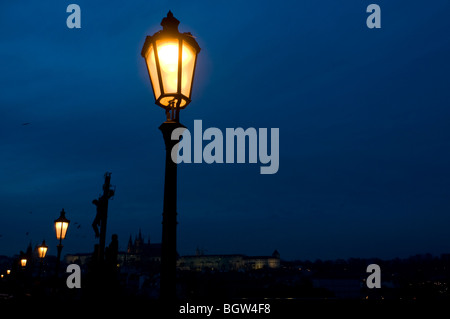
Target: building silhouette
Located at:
point(202, 262)
point(138, 253)
point(141, 254)
point(141, 251)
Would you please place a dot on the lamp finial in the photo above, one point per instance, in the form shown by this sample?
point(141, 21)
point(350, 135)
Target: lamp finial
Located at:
point(170, 23)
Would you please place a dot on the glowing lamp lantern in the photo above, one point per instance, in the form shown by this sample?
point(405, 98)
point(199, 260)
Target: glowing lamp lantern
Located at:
point(61, 225)
point(23, 262)
point(171, 58)
point(42, 250)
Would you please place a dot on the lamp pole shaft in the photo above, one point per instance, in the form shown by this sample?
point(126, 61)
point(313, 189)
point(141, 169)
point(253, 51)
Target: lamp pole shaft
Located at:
point(104, 207)
point(41, 261)
point(169, 223)
point(58, 258)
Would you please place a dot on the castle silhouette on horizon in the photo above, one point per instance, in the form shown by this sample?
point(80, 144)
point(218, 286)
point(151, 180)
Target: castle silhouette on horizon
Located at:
point(141, 253)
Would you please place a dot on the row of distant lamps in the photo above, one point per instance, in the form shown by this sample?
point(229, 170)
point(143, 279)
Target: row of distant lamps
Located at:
point(61, 226)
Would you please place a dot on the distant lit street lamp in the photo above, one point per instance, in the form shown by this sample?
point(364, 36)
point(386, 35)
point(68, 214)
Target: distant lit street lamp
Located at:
point(42, 251)
point(171, 58)
point(61, 225)
point(23, 262)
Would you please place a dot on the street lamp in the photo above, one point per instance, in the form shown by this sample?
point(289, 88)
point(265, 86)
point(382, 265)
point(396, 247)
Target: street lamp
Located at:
point(42, 250)
point(61, 225)
point(23, 262)
point(171, 58)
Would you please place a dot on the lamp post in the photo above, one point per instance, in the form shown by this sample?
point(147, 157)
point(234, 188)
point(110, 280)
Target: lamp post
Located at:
point(42, 251)
point(171, 58)
point(61, 225)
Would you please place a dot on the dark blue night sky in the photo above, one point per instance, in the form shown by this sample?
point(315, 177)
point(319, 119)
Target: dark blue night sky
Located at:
point(363, 116)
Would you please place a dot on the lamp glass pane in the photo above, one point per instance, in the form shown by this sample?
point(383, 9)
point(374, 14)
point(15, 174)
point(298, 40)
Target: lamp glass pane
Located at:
point(188, 57)
point(152, 71)
point(42, 251)
point(168, 63)
point(61, 229)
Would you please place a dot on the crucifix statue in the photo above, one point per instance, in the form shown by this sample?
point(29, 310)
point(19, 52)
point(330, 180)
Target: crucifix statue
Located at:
point(102, 214)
